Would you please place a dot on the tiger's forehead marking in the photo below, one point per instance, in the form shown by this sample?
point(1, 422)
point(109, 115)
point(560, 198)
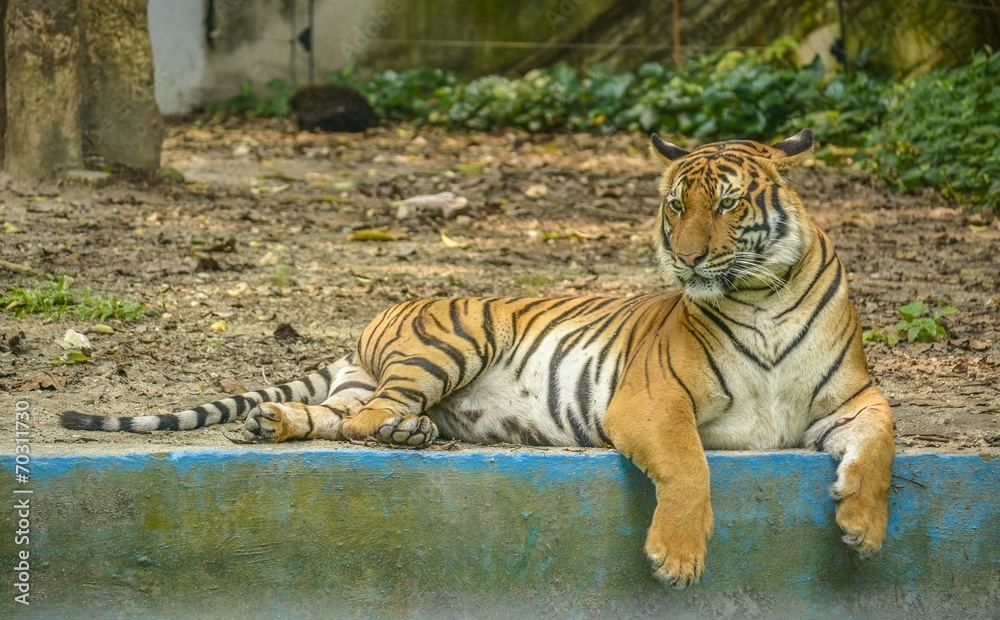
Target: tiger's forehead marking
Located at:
point(715, 169)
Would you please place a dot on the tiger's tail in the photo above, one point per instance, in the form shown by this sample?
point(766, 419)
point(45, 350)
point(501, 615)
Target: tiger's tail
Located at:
point(311, 389)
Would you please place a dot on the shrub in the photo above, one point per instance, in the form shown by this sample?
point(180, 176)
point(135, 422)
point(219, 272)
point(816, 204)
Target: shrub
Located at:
point(941, 131)
point(747, 94)
point(937, 130)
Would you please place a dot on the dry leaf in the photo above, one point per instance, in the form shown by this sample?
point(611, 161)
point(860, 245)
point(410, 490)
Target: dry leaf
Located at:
point(232, 387)
point(43, 381)
point(451, 243)
point(378, 234)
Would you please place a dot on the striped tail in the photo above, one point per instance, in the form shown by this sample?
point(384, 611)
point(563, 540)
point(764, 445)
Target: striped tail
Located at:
point(311, 389)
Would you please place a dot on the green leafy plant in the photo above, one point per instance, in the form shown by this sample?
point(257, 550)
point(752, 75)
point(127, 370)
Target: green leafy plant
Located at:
point(56, 298)
point(876, 335)
point(251, 105)
point(938, 132)
point(749, 94)
point(916, 327)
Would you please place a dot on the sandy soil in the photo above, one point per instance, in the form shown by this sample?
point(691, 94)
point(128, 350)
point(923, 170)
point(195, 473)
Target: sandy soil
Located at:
point(257, 239)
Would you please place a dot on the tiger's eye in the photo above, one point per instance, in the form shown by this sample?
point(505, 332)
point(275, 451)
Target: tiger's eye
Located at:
point(726, 204)
point(676, 205)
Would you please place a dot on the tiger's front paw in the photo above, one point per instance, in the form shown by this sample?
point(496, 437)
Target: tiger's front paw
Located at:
point(677, 553)
point(862, 512)
point(409, 431)
point(274, 422)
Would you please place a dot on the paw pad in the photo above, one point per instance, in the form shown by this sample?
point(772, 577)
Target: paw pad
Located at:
point(412, 431)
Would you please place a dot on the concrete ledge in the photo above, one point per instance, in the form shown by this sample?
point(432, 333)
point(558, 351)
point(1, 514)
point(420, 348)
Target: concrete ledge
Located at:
point(354, 532)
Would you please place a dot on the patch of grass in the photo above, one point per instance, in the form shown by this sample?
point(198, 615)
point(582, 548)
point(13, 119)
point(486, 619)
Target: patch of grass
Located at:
point(532, 280)
point(56, 298)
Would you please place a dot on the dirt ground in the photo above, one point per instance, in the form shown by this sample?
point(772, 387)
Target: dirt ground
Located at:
point(257, 239)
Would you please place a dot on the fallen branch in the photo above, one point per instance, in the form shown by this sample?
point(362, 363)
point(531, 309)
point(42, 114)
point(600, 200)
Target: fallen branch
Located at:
point(22, 269)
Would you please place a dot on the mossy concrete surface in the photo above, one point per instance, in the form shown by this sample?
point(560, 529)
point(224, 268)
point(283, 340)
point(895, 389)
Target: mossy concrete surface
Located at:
point(357, 532)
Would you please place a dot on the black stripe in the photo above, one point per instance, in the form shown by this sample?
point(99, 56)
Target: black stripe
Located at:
point(168, 422)
point(729, 319)
point(385, 395)
point(744, 349)
point(815, 280)
point(432, 369)
point(76, 421)
point(352, 385)
point(711, 362)
point(491, 343)
point(574, 310)
point(412, 394)
point(585, 392)
point(125, 424)
point(310, 388)
point(726, 169)
point(286, 392)
point(202, 414)
point(670, 366)
point(761, 200)
point(833, 367)
point(827, 296)
point(459, 330)
point(242, 404)
point(781, 226)
point(552, 397)
point(456, 356)
point(578, 430)
point(848, 399)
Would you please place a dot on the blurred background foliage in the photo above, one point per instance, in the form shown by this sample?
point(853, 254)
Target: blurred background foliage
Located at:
point(935, 130)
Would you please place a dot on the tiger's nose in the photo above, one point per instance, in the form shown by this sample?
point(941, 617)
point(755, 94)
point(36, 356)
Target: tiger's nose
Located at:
point(691, 259)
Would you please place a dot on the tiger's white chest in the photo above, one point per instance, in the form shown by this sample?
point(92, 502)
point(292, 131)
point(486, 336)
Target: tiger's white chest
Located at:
point(771, 405)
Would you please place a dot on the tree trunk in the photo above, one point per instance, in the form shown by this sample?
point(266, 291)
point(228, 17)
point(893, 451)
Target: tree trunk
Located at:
point(3, 85)
point(42, 48)
point(121, 121)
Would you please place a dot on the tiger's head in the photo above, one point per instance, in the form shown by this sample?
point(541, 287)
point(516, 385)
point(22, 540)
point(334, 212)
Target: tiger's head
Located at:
point(729, 220)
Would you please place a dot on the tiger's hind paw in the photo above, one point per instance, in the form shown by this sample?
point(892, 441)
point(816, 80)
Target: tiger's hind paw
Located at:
point(407, 431)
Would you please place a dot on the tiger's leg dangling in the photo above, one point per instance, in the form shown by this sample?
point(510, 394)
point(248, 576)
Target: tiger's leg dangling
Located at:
point(859, 435)
point(350, 390)
point(662, 440)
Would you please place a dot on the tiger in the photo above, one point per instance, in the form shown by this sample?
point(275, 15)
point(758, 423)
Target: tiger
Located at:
point(759, 348)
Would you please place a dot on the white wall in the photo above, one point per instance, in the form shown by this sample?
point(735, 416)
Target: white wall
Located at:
point(177, 33)
point(252, 42)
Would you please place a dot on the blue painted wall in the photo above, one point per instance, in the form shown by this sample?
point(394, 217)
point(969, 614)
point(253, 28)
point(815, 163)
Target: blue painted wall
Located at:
point(379, 533)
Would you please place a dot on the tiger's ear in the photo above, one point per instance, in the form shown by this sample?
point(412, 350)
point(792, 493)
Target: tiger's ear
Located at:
point(665, 151)
point(791, 151)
